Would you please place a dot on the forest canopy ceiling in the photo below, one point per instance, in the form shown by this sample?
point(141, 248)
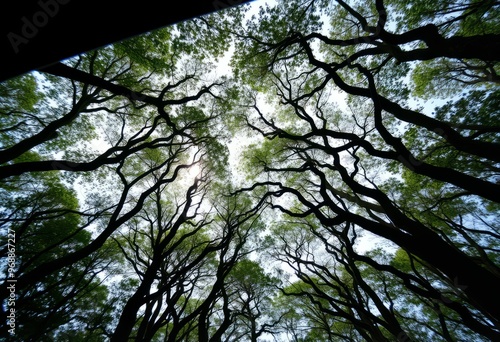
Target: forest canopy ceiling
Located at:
point(128, 213)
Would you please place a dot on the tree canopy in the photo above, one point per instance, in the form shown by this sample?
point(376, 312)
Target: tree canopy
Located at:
point(303, 170)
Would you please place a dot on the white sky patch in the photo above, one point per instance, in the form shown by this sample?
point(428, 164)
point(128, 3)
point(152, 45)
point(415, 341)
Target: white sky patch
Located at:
point(194, 171)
